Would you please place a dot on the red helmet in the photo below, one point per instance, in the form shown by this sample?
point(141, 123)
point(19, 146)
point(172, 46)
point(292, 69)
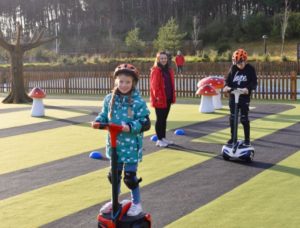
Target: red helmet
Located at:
point(240, 55)
point(127, 68)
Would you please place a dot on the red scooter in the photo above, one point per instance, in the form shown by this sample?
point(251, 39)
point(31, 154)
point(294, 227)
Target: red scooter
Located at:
point(118, 218)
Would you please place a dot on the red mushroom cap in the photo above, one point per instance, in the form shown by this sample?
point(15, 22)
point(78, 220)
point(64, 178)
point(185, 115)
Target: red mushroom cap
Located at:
point(214, 81)
point(37, 92)
point(206, 90)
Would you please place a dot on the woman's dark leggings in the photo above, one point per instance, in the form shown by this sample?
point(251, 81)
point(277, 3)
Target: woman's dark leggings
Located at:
point(161, 121)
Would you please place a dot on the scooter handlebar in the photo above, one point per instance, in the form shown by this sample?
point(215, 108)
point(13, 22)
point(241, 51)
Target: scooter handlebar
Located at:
point(109, 126)
point(114, 130)
point(98, 125)
point(236, 92)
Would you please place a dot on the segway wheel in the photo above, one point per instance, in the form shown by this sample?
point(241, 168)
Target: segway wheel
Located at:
point(225, 157)
point(250, 158)
point(142, 224)
point(100, 225)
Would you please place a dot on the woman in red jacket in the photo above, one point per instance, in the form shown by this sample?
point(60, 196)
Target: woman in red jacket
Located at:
point(162, 95)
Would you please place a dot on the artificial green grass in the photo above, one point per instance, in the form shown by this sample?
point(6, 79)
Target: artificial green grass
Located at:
point(186, 114)
point(74, 101)
point(21, 118)
point(259, 127)
point(26, 150)
point(48, 145)
point(271, 199)
point(35, 148)
point(41, 206)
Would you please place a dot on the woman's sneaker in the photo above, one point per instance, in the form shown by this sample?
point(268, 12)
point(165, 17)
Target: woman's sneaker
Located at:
point(161, 143)
point(167, 141)
point(106, 208)
point(135, 209)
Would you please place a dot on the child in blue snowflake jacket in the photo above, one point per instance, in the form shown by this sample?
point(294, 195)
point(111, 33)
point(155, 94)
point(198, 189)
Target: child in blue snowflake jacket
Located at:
point(124, 106)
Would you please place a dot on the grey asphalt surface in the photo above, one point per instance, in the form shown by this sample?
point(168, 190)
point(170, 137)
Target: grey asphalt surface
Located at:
point(192, 188)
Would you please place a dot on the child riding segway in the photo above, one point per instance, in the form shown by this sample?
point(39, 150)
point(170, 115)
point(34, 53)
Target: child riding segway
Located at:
point(126, 116)
point(240, 82)
point(237, 149)
point(118, 215)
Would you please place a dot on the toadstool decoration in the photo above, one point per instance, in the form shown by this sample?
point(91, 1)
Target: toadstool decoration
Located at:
point(206, 92)
point(37, 108)
point(217, 82)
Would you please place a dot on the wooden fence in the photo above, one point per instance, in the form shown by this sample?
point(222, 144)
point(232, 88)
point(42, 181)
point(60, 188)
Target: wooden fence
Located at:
point(274, 85)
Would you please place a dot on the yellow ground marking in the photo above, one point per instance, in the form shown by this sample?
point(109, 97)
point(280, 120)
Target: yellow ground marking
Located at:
point(41, 206)
point(26, 150)
point(74, 102)
point(271, 199)
point(259, 127)
point(21, 118)
point(35, 148)
point(58, 102)
point(185, 114)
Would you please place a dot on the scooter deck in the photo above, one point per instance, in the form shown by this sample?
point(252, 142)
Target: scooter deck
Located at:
point(238, 151)
point(142, 220)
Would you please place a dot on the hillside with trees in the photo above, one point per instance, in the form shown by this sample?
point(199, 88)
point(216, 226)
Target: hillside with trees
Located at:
point(133, 26)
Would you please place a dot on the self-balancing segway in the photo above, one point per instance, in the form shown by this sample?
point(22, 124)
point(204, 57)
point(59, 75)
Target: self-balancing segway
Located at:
point(118, 218)
point(237, 150)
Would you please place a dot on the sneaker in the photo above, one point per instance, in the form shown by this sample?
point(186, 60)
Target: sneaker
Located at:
point(106, 208)
point(135, 209)
point(247, 143)
point(167, 141)
point(161, 143)
point(229, 142)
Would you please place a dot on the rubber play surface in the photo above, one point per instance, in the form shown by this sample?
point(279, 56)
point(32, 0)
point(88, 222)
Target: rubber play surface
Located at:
point(48, 180)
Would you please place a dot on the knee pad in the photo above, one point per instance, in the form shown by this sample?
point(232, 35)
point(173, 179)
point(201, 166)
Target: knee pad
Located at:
point(131, 180)
point(109, 176)
point(244, 119)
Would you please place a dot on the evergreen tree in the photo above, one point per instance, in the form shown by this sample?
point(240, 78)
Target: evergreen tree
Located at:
point(169, 37)
point(133, 41)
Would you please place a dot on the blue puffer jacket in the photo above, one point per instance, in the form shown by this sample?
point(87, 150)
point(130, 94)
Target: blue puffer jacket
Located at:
point(129, 144)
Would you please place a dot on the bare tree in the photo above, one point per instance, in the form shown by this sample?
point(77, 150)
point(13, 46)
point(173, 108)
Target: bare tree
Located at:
point(196, 33)
point(284, 24)
point(16, 52)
